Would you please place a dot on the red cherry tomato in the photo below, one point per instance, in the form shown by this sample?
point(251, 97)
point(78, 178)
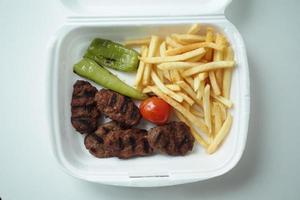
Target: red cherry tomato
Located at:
point(155, 110)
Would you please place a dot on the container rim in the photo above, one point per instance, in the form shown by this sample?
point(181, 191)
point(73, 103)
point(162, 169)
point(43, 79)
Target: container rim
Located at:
point(174, 178)
point(140, 8)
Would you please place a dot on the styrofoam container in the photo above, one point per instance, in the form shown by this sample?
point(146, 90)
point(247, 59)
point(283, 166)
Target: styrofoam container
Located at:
point(118, 20)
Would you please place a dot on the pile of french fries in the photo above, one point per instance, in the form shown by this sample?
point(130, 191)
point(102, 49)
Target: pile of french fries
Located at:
point(191, 72)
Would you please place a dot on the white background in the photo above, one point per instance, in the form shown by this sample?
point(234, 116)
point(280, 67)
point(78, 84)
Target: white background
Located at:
point(269, 168)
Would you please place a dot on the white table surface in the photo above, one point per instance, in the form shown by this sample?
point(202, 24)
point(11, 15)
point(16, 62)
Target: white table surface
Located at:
point(269, 168)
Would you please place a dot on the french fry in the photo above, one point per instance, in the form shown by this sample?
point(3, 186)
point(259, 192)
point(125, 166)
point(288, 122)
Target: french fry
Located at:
point(195, 59)
point(218, 56)
point(221, 135)
point(194, 120)
point(189, 80)
point(217, 117)
point(196, 135)
point(146, 90)
point(209, 38)
point(172, 42)
point(223, 111)
point(219, 77)
point(213, 82)
point(160, 74)
point(192, 72)
point(140, 71)
point(154, 67)
point(206, 107)
point(186, 105)
point(202, 76)
point(137, 42)
point(208, 67)
point(199, 94)
point(195, 28)
point(185, 87)
point(218, 53)
point(223, 100)
point(169, 47)
point(196, 83)
point(172, 76)
point(200, 88)
point(197, 113)
point(186, 98)
point(173, 87)
point(163, 88)
point(190, 47)
point(162, 49)
point(208, 56)
point(177, 65)
point(151, 52)
point(175, 75)
point(188, 38)
point(167, 75)
point(227, 74)
point(200, 91)
point(180, 57)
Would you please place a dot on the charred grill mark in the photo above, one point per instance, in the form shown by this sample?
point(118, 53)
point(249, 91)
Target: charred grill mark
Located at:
point(182, 142)
point(90, 108)
point(157, 139)
point(79, 112)
point(79, 101)
point(89, 94)
point(84, 113)
point(99, 139)
point(132, 142)
point(83, 120)
point(174, 138)
point(134, 113)
point(124, 105)
point(146, 146)
point(113, 100)
point(117, 107)
point(117, 142)
point(106, 129)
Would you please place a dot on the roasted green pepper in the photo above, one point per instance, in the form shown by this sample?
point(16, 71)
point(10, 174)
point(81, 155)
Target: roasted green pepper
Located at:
point(113, 55)
point(91, 70)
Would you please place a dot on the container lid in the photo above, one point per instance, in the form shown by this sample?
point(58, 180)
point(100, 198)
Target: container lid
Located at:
point(131, 8)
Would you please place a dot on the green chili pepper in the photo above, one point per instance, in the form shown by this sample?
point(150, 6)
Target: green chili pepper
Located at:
point(91, 70)
point(113, 55)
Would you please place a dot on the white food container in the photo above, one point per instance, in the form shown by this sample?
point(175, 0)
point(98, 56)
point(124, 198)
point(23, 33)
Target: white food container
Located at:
point(118, 20)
